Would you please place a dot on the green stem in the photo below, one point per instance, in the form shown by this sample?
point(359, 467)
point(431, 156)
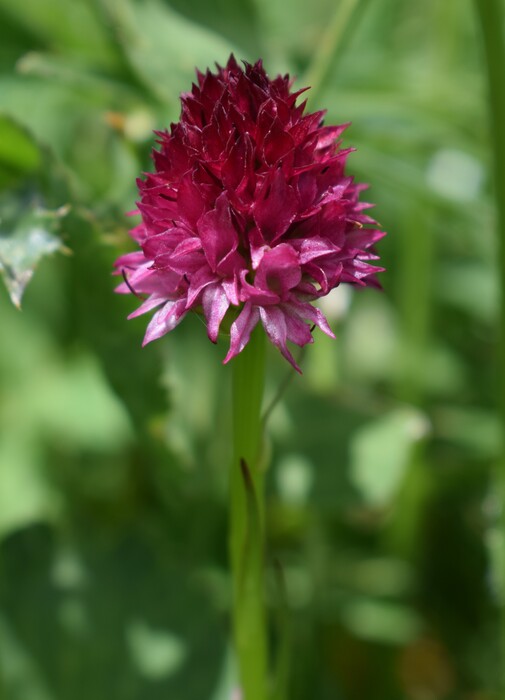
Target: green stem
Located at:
point(330, 46)
point(247, 519)
point(491, 16)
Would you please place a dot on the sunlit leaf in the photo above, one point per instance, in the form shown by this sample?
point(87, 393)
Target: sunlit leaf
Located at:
point(381, 621)
point(24, 241)
point(25, 496)
point(380, 453)
point(156, 653)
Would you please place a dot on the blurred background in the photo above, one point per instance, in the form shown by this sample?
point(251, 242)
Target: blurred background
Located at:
point(382, 511)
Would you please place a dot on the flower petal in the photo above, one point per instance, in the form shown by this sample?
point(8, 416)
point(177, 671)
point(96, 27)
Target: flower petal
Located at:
point(310, 313)
point(148, 305)
point(217, 233)
point(275, 207)
point(274, 323)
point(241, 329)
point(165, 320)
point(215, 304)
point(278, 270)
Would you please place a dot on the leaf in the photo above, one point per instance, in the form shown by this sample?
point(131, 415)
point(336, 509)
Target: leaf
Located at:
point(290, 33)
point(25, 238)
point(25, 495)
point(381, 621)
point(381, 451)
point(163, 47)
point(19, 671)
point(76, 75)
point(475, 430)
point(238, 22)
point(19, 153)
point(76, 29)
point(472, 286)
point(156, 653)
point(97, 421)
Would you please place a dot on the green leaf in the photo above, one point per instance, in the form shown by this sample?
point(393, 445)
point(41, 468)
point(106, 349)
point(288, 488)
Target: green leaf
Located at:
point(381, 452)
point(95, 421)
point(73, 28)
point(475, 430)
point(381, 621)
point(19, 153)
point(163, 47)
point(76, 75)
point(156, 653)
point(25, 495)
point(472, 286)
point(25, 238)
point(19, 672)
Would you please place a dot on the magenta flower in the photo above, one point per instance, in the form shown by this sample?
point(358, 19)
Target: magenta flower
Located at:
point(249, 215)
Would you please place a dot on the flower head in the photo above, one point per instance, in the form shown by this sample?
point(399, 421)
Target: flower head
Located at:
point(249, 214)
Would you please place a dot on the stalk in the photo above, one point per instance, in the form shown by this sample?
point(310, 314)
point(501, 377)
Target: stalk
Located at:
point(247, 519)
point(491, 15)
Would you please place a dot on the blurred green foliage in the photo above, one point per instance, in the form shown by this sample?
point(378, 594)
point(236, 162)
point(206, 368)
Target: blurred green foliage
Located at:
point(113, 459)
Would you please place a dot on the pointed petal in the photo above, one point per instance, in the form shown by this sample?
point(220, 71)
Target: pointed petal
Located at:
point(275, 207)
point(364, 238)
point(306, 311)
point(217, 233)
point(215, 305)
point(199, 280)
point(190, 201)
point(148, 305)
point(274, 323)
point(230, 286)
point(165, 320)
point(279, 269)
point(129, 261)
point(241, 330)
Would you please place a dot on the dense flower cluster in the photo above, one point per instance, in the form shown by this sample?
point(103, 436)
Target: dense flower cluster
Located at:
point(248, 215)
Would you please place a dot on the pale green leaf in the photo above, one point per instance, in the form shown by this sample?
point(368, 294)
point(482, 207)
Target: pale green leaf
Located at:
point(380, 621)
point(25, 495)
point(157, 653)
point(24, 241)
point(381, 452)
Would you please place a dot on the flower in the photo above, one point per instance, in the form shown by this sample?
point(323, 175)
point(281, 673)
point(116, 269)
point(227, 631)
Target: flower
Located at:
point(249, 214)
